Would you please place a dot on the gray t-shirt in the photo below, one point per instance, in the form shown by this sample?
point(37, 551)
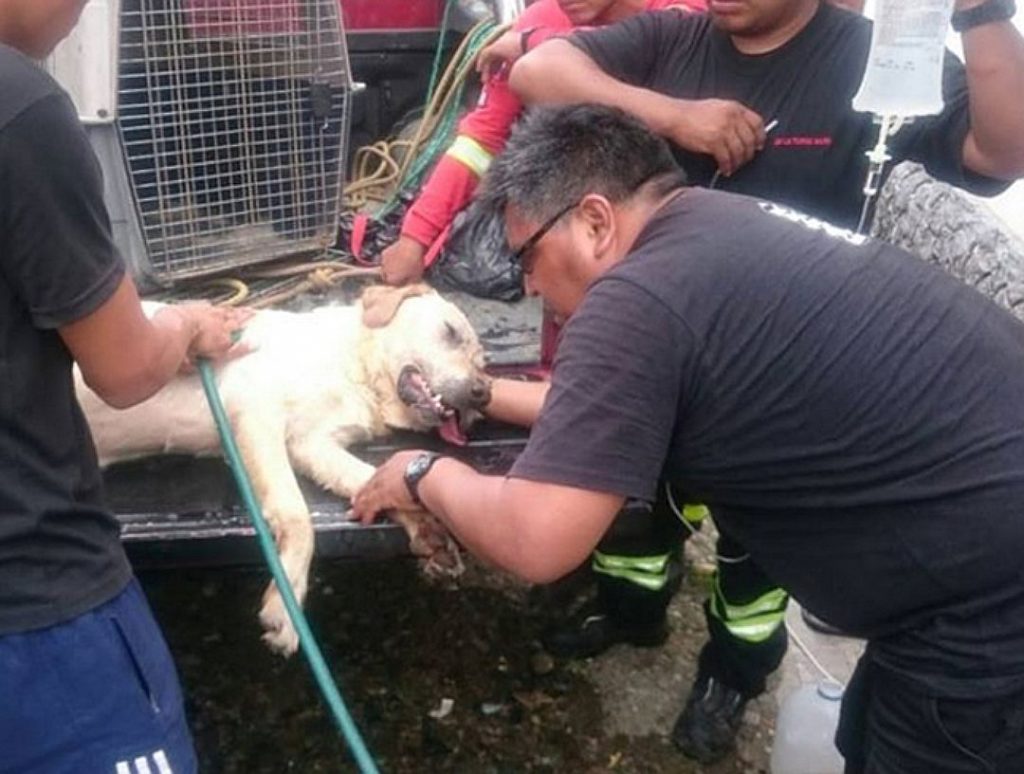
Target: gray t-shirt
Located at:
point(853, 416)
point(60, 553)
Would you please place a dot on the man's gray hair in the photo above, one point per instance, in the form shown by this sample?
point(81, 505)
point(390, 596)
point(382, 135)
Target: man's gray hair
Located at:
point(557, 155)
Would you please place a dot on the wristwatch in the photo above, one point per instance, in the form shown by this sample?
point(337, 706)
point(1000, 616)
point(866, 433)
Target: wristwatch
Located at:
point(986, 13)
point(417, 468)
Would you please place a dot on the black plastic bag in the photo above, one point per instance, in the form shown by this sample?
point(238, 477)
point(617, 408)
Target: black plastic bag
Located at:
point(477, 259)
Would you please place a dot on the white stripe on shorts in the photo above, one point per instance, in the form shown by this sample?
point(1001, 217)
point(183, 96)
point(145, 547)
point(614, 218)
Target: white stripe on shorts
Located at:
point(162, 764)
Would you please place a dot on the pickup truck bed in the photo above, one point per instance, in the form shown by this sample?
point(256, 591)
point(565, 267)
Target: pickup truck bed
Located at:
point(178, 510)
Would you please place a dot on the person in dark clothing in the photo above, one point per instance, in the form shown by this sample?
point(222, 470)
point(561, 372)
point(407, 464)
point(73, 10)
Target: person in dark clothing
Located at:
point(838, 403)
point(710, 88)
point(714, 85)
point(87, 681)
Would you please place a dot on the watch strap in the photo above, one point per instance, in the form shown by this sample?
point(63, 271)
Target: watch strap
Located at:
point(986, 13)
point(417, 468)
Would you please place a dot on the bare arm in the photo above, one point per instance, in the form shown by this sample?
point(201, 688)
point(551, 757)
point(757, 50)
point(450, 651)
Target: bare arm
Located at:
point(722, 128)
point(126, 357)
point(516, 402)
point(581, 80)
point(994, 55)
point(535, 530)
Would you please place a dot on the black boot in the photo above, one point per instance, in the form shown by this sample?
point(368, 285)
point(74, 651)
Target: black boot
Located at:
point(590, 631)
point(706, 730)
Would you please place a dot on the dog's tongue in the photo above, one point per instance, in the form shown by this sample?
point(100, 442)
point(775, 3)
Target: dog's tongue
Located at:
point(451, 431)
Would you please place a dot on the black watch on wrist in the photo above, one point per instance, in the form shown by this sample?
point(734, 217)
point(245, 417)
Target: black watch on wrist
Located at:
point(986, 13)
point(417, 468)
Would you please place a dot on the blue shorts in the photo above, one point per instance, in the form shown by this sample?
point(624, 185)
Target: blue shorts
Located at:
point(98, 694)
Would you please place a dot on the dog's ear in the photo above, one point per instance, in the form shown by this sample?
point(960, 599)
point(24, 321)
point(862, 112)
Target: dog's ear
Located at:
point(380, 302)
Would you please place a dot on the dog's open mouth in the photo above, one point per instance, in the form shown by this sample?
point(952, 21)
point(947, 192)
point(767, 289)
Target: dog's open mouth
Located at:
point(414, 390)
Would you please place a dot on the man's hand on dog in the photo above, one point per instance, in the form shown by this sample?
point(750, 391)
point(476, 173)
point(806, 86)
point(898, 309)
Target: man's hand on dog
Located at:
point(215, 331)
point(386, 490)
point(402, 262)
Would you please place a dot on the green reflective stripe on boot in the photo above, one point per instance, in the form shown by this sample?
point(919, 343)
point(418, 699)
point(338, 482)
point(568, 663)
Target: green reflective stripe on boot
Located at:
point(756, 629)
point(650, 572)
point(755, 621)
point(694, 513)
point(773, 601)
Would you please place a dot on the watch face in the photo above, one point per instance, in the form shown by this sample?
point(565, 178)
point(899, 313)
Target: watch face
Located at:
point(417, 466)
point(417, 469)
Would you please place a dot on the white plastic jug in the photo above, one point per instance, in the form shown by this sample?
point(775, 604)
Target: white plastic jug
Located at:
point(904, 70)
point(805, 731)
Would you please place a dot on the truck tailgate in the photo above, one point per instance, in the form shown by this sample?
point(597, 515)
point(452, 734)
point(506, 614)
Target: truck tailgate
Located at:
point(178, 510)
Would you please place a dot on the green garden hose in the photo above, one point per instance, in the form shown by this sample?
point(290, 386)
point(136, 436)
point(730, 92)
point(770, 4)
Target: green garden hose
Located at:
point(306, 640)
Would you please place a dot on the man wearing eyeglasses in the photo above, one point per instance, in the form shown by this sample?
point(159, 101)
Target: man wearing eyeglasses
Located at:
point(755, 98)
point(837, 402)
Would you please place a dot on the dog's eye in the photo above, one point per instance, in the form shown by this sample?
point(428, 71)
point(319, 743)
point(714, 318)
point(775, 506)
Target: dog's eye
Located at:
point(451, 334)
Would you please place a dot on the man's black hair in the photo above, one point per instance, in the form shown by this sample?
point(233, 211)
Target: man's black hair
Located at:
point(557, 155)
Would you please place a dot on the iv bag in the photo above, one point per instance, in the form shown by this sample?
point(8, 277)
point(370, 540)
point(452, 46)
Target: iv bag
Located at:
point(904, 70)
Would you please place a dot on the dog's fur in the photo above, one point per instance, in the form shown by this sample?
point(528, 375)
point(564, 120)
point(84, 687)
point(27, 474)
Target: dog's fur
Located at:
point(315, 383)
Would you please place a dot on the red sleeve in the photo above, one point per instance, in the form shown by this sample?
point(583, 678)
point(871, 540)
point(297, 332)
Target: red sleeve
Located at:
point(451, 185)
point(447, 190)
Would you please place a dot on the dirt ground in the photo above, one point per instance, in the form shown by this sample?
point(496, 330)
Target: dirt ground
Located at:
point(399, 646)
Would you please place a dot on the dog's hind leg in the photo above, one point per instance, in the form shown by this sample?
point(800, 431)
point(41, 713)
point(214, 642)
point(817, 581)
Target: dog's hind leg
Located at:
point(261, 440)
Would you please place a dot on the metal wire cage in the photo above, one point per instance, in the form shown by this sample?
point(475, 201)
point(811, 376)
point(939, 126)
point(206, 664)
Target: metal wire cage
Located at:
point(233, 118)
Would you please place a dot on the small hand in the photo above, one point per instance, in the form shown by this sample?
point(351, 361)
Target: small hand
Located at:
point(386, 489)
point(402, 262)
point(721, 128)
point(506, 49)
point(216, 330)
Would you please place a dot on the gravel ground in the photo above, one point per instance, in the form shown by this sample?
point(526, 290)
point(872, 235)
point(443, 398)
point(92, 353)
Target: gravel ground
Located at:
point(402, 649)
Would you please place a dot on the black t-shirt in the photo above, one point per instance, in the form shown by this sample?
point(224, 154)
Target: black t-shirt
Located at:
point(814, 159)
point(852, 415)
point(60, 553)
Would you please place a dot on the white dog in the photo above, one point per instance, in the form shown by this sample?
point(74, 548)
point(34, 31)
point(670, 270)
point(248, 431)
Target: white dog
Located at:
point(315, 383)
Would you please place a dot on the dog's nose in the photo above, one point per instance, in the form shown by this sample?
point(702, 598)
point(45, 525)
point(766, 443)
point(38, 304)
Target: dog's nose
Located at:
point(480, 392)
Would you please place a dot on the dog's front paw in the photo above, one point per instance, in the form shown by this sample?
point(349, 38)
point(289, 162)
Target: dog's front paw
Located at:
point(445, 564)
point(437, 551)
point(278, 632)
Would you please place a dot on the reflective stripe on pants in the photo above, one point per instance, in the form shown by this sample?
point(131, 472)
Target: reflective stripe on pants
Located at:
point(753, 621)
point(650, 572)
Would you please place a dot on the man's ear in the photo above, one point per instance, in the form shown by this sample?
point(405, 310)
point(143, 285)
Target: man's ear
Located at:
point(380, 302)
point(598, 216)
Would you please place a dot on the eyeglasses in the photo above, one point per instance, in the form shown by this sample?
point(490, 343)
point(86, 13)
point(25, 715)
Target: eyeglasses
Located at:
point(522, 255)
